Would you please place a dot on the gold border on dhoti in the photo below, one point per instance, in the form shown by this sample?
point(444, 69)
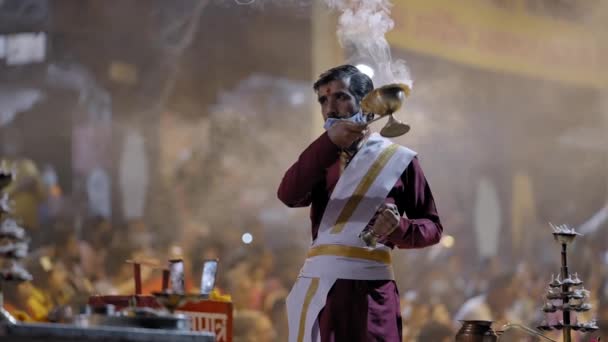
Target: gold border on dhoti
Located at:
point(310, 293)
point(364, 185)
point(378, 255)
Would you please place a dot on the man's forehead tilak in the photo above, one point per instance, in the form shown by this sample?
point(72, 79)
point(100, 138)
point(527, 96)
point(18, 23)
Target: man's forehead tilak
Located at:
point(327, 89)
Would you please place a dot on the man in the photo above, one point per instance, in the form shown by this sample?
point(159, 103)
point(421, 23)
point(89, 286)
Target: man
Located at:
point(354, 180)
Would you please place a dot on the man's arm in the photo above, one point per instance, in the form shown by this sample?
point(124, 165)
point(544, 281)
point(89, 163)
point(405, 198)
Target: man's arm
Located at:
point(421, 227)
point(297, 184)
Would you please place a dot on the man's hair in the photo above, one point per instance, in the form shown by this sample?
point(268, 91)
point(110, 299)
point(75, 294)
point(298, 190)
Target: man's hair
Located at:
point(360, 84)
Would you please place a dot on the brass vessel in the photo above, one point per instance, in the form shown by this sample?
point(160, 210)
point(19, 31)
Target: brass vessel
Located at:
point(384, 101)
point(476, 331)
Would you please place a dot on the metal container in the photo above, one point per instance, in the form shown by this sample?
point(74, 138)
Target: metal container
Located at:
point(137, 318)
point(476, 331)
point(176, 275)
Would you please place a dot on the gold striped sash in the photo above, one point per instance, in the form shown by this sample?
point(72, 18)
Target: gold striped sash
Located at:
point(310, 293)
point(378, 255)
point(364, 185)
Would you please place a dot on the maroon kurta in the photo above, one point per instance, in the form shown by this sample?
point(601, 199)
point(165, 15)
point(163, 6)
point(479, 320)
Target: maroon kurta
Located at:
point(361, 310)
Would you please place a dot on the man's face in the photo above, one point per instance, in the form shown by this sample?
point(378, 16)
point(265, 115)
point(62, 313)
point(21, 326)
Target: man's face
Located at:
point(336, 100)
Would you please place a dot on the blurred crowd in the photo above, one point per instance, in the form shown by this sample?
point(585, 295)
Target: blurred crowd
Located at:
point(72, 260)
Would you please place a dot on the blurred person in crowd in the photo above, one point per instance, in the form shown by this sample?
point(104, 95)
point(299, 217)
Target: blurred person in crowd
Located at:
point(454, 273)
point(50, 293)
point(98, 236)
point(76, 254)
point(276, 312)
point(72, 262)
point(30, 300)
point(241, 285)
point(287, 264)
point(346, 290)
point(55, 202)
point(27, 190)
point(252, 326)
point(602, 322)
point(27, 194)
point(421, 308)
point(492, 305)
point(440, 313)
point(436, 332)
point(139, 245)
point(198, 250)
point(418, 314)
point(524, 305)
point(140, 238)
point(250, 277)
point(261, 264)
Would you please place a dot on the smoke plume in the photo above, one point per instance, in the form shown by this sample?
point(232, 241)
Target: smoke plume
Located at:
point(362, 27)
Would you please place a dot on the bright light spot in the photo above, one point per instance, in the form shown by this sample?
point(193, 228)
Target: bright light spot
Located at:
point(366, 69)
point(447, 241)
point(247, 238)
point(297, 99)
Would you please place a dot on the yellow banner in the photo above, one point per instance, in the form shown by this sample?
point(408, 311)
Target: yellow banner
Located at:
point(476, 33)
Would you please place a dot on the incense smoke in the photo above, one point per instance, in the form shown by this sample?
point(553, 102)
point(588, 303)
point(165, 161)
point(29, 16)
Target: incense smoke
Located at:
point(362, 27)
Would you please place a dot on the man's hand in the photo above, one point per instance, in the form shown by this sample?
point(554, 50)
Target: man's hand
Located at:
point(387, 219)
point(345, 133)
